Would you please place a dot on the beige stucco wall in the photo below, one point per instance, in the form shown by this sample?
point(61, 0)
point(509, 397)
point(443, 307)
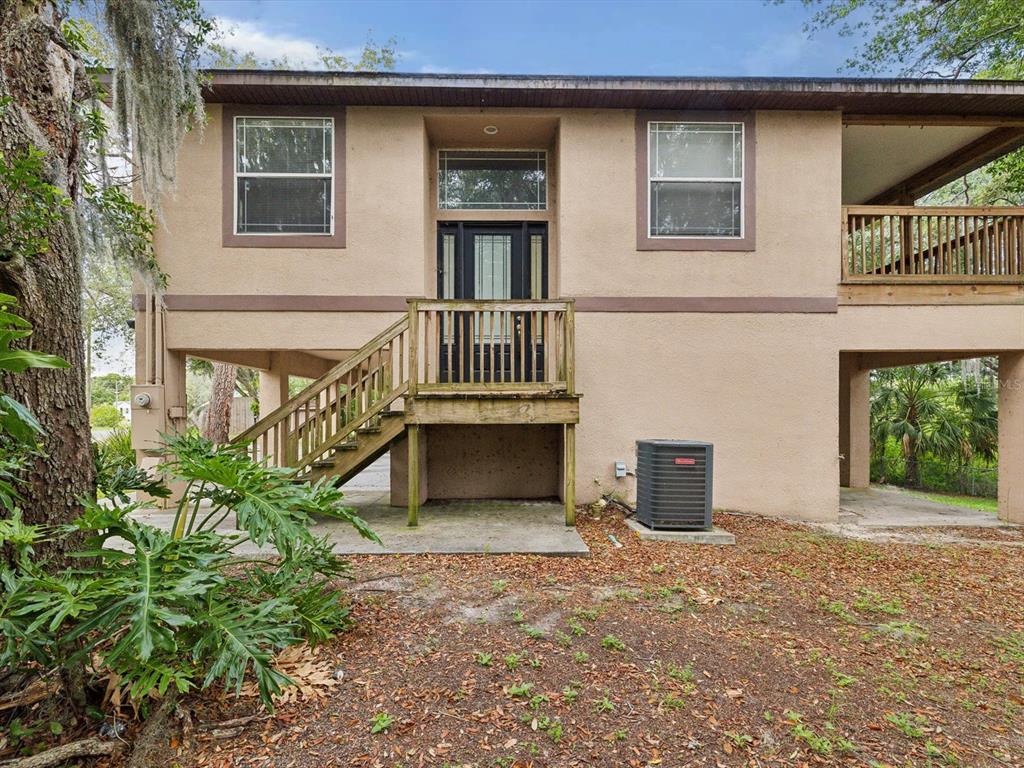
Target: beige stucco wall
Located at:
point(983, 327)
point(798, 179)
point(275, 330)
point(762, 388)
point(385, 206)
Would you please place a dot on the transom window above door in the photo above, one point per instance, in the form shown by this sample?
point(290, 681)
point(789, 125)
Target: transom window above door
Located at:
point(284, 175)
point(492, 180)
point(695, 179)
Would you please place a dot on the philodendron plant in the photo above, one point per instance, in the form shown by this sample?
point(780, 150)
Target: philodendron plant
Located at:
point(177, 609)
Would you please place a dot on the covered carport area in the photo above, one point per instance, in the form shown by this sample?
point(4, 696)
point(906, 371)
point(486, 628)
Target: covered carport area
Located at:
point(855, 441)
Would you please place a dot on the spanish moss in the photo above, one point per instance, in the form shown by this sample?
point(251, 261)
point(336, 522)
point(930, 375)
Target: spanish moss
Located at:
point(156, 87)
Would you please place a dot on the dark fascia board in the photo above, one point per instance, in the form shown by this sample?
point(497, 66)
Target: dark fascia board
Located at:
point(919, 86)
point(903, 97)
point(855, 95)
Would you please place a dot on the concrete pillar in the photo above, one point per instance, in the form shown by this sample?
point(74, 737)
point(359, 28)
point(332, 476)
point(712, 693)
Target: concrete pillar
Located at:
point(1011, 437)
point(273, 387)
point(854, 422)
point(164, 411)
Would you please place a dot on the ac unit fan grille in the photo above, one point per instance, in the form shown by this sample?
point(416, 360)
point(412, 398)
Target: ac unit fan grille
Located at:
point(674, 484)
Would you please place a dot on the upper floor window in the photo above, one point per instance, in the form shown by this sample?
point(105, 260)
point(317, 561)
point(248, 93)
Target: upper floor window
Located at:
point(695, 179)
point(492, 180)
point(284, 175)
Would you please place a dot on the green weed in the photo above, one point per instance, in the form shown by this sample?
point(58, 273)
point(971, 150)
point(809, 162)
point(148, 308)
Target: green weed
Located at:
point(604, 704)
point(612, 643)
point(380, 723)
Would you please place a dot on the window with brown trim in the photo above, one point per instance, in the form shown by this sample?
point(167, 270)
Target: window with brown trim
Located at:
point(695, 182)
point(284, 177)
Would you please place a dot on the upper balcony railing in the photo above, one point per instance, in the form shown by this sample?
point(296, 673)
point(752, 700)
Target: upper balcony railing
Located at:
point(885, 244)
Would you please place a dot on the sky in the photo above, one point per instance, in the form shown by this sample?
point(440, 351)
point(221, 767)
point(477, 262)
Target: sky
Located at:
point(573, 37)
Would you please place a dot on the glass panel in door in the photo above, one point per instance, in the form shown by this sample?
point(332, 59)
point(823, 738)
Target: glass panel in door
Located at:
point(491, 263)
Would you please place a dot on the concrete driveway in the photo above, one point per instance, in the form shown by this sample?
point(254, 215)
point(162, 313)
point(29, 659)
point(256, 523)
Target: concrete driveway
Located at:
point(882, 507)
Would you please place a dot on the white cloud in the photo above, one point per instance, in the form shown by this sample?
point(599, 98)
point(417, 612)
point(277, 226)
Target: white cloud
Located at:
point(246, 37)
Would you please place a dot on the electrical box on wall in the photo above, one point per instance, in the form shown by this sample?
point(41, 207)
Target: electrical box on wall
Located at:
point(148, 416)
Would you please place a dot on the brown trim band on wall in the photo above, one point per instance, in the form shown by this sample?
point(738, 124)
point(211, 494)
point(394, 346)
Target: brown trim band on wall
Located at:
point(231, 240)
point(636, 304)
point(644, 242)
point(279, 303)
point(709, 304)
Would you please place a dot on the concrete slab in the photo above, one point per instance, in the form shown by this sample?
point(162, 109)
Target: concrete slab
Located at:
point(715, 536)
point(460, 527)
point(886, 507)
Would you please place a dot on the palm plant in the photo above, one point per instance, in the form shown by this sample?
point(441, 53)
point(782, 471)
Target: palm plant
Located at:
point(928, 410)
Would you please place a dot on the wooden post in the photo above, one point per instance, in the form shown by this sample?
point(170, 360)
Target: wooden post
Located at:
point(414, 344)
point(569, 473)
point(413, 439)
point(570, 348)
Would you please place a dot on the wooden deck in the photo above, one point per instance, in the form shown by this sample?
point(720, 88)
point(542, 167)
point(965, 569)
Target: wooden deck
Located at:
point(445, 362)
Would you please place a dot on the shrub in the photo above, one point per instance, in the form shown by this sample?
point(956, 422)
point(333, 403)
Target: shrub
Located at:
point(174, 609)
point(116, 471)
point(105, 416)
point(115, 449)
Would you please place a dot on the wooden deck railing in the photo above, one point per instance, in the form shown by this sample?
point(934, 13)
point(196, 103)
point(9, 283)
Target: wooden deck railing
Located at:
point(932, 244)
point(326, 413)
point(467, 346)
point(438, 347)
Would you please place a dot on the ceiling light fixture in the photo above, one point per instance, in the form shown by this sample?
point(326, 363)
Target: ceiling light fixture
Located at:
point(490, 130)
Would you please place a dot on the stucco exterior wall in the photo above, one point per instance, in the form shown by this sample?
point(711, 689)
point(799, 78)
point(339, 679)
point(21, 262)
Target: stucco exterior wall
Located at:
point(797, 178)
point(880, 328)
point(385, 201)
point(763, 389)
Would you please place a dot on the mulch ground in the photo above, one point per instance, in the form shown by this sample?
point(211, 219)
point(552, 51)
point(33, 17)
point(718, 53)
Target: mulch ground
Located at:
point(792, 648)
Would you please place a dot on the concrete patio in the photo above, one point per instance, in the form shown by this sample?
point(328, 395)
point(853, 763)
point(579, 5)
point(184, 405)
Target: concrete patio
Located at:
point(457, 527)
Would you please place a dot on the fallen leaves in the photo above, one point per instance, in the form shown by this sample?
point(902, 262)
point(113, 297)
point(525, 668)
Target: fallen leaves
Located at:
point(752, 656)
point(311, 670)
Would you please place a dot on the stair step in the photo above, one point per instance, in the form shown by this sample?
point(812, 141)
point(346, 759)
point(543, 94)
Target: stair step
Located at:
point(368, 430)
point(346, 447)
point(323, 464)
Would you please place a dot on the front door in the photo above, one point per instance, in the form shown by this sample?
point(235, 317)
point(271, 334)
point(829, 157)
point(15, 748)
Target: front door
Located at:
point(491, 262)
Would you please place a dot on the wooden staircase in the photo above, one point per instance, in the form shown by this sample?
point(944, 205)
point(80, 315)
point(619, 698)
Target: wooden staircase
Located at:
point(445, 362)
point(344, 420)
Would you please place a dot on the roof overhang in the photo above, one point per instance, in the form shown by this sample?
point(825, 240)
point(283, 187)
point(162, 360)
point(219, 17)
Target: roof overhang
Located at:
point(865, 96)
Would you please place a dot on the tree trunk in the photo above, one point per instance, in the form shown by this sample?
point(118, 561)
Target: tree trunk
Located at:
point(43, 79)
point(218, 412)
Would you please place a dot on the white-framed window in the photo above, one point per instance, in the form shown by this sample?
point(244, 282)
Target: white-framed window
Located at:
point(284, 175)
point(492, 180)
point(695, 181)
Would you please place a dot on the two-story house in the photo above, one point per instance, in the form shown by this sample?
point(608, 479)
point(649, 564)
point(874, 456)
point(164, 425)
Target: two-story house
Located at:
point(506, 281)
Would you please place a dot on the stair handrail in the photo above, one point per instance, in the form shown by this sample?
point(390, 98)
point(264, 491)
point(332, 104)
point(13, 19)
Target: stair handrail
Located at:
point(314, 390)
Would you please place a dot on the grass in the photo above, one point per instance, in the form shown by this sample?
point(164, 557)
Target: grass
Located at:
point(979, 503)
